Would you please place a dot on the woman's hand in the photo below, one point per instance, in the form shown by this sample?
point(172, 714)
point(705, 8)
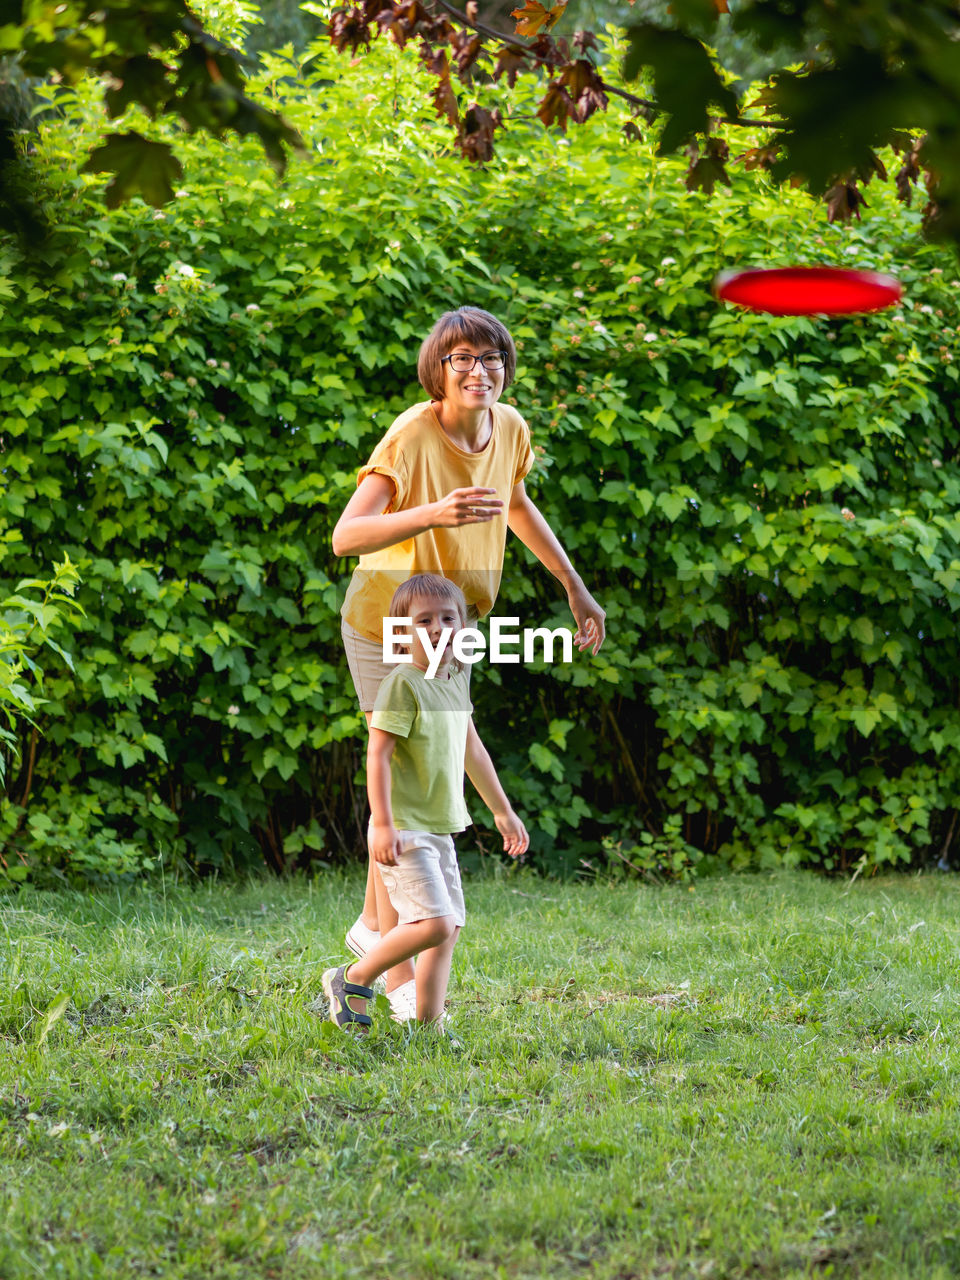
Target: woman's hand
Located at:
point(385, 844)
point(590, 619)
point(515, 838)
point(465, 506)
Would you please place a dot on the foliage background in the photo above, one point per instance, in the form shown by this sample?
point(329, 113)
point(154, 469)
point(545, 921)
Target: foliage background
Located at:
point(766, 507)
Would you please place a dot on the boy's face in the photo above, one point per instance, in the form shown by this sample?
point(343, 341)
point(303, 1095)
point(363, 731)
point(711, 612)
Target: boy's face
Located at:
point(479, 388)
point(433, 614)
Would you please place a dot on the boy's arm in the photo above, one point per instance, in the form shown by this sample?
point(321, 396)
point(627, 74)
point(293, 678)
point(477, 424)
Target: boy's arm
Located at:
point(525, 520)
point(366, 526)
point(483, 775)
point(384, 841)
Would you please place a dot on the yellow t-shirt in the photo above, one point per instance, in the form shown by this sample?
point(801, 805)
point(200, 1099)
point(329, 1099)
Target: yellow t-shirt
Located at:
point(424, 465)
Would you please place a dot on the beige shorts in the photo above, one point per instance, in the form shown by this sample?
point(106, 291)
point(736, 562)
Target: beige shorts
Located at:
point(367, 667)
point(425, 883)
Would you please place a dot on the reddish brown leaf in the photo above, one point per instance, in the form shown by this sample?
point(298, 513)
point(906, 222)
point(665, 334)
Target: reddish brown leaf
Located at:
point(533, 16)
point(445, 101)
point(759, 158)
point(556, 106)
point(466, 49)
point(435, 60)
point(549, 52)
point(909, 174)
point(874, 165)
point(632, 132)
point(708, 169)
point(439, 29)
point(401, 20)
point(583, 41)
point(585, 88)
point(475, 136)
point(348, 29)
point(591, 100)
point(931, 216)
point(510, 61)
point(844, 201)
point(577, 76)
point(704, 174)
point(905, 181)
point(444, 98)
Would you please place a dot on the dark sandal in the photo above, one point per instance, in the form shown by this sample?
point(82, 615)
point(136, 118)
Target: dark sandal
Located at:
point(339, 991)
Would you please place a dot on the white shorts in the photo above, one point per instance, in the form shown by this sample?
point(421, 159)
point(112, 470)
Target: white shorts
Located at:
point(425, 883)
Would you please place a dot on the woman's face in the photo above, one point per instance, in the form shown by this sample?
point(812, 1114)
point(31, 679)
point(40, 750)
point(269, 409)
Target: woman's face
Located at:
point(476, 388)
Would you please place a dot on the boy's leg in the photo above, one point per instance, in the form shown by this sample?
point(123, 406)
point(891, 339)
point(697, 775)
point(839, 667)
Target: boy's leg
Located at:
point(400, 944)
point(433, 977)
point(397, 974)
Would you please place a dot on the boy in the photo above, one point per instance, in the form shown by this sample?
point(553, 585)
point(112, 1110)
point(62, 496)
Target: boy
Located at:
point(422, 737)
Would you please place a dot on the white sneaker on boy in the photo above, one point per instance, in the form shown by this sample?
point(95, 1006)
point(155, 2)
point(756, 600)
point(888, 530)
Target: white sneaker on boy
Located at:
point(403, 1001)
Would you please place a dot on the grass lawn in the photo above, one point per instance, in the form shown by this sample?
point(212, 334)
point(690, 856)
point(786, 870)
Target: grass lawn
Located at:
point(755, 1078)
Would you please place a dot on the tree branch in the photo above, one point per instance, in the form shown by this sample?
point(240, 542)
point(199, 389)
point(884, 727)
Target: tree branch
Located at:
point(482, 29)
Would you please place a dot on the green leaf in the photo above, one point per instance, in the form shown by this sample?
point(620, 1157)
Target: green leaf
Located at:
point(893, 650)
point(862, 629)
point(886, 705)
point(558, 731)
point(749, 692)
point(671, 504)
point(866, 719)
point(545, 760)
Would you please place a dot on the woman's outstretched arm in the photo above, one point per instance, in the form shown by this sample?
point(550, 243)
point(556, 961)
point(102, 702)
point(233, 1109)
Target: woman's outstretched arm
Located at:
point(366, 525)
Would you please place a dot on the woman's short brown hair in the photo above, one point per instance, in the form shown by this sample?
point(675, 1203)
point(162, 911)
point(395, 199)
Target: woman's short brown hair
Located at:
point(466, 324)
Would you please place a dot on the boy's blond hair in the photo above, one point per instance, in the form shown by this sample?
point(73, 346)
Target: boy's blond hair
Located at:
point(429, 584)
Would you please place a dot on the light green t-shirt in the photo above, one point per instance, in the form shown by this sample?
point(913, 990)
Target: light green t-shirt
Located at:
point(429, 719)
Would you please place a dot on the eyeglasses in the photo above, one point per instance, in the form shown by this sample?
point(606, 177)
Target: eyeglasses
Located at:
point(463, 362)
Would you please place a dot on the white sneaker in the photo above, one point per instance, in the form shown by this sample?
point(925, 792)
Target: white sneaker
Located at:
point(360, 939)
point(403, 1001)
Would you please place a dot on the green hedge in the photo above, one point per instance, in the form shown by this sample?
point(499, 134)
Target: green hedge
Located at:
point(27, 626)
point(767, 507)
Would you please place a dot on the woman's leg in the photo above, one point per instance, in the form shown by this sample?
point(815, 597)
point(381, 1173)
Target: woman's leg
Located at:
point(433, 977)
point(370, 914)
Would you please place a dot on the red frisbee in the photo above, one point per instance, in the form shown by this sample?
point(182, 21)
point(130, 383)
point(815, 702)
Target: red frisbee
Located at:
point(808, 291)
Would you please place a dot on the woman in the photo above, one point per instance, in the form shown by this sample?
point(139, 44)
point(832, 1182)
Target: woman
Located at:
point(437, 496)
